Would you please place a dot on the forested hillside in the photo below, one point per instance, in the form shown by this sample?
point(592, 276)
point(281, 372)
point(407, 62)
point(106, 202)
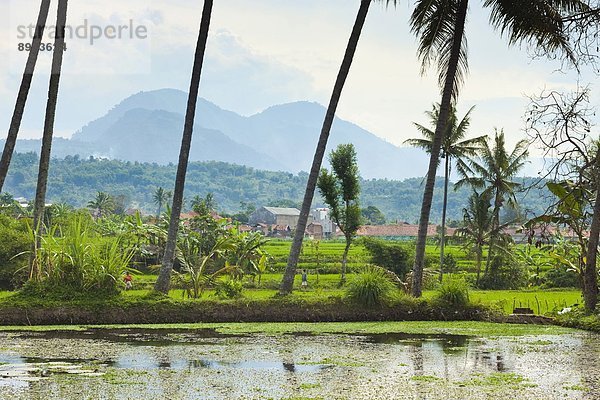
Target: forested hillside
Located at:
point(76, 181)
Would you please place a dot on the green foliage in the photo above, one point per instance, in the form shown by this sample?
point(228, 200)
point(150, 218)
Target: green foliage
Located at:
point(228, 288)
point(504, 273)
point(340, 189)
point(393, 256)
point(74, 259)
point(372, 215)
point(453, 293)
point(450, 265)
point(200, 269)
point(579, 318)
point(561, 277)
point(14, 240)
point(75, 181)
point(371, 287)
point(102, 205)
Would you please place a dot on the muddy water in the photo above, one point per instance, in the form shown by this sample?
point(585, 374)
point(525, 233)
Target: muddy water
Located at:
point(201, 364)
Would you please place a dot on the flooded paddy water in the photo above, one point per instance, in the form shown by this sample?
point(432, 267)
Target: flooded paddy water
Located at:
point(205, 364)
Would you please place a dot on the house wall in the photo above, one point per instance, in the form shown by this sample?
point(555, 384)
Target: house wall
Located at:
point(291, 220)
point(262, 216)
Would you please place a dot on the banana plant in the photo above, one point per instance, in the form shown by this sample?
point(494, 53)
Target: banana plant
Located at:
point(198, 270)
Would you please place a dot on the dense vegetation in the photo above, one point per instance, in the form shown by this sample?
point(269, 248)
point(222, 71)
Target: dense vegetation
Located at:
point(75, 181)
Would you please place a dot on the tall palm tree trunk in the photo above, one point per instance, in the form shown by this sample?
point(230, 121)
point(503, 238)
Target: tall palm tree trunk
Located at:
point(494, 233)
point(478, 256)
point(444, 204)
point(287, 282)
point(158, 210)
point(15, 123)
point(590, 278)
point(440, 128)
point(163, 282)
point(40, 193)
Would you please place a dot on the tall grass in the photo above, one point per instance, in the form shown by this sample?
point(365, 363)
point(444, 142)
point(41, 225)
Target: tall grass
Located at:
point(76, 259)
point(371, 287)
point(452, 293)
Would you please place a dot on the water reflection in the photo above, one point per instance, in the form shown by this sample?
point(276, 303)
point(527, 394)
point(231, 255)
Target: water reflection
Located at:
point(259, 366)
point(146, 361)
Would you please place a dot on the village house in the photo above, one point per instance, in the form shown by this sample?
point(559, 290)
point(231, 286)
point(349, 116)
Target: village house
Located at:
point(276, 216)
point(401, 231)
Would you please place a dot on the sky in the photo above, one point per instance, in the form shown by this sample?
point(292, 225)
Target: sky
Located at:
point(266, 52)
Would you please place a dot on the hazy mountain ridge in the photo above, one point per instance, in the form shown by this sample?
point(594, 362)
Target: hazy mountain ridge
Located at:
point(147, 127)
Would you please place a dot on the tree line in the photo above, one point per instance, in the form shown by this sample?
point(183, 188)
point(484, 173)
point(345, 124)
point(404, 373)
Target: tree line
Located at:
point(75, 181)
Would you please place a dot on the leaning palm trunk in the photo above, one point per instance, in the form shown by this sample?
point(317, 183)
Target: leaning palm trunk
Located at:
point(15, 123)
point(444, 205)
point(40, 193)
point(417, 278)
point(163, 282)
point(590, 279)
point(287, 282)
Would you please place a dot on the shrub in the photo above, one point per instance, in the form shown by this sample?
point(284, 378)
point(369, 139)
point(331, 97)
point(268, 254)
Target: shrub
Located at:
point(561, 277)
point(504, 274)
point(76, 260)
point(393, 256)
point(14, 240)
point(228, 288)
point(453, 293)
point(450, 266)
point(371, 287)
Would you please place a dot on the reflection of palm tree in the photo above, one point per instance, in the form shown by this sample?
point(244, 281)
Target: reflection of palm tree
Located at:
point(163, 282)
point(57, 58)
point(290, 271)
point(494, 171)
point(453, 148)
point(439, 25)
point(15, 123)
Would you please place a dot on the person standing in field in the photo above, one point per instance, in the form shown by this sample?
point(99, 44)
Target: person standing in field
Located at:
point(304, 280)
point(128, 281)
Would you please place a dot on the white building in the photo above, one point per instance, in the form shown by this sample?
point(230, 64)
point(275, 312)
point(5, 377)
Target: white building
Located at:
point(321, 216)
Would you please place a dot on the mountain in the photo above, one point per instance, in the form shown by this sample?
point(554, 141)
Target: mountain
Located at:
point(298, 125)
point(147, 127)
point(145, 135)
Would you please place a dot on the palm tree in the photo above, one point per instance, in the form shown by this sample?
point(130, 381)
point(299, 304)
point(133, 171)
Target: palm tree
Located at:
point(287, 282)
point(453, 148)
point(163, 282)
point(57, 57)
point(160, 197)
point(15, 123)
point(493, 171)
point(439, 25)
point(102, 204)
point(477, 227)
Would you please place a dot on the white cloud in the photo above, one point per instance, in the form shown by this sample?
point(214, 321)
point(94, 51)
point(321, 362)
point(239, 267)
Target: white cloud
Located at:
point(266, 52)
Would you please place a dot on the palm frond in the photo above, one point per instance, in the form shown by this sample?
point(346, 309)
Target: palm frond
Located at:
point(434, 23)
point(535, 22)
